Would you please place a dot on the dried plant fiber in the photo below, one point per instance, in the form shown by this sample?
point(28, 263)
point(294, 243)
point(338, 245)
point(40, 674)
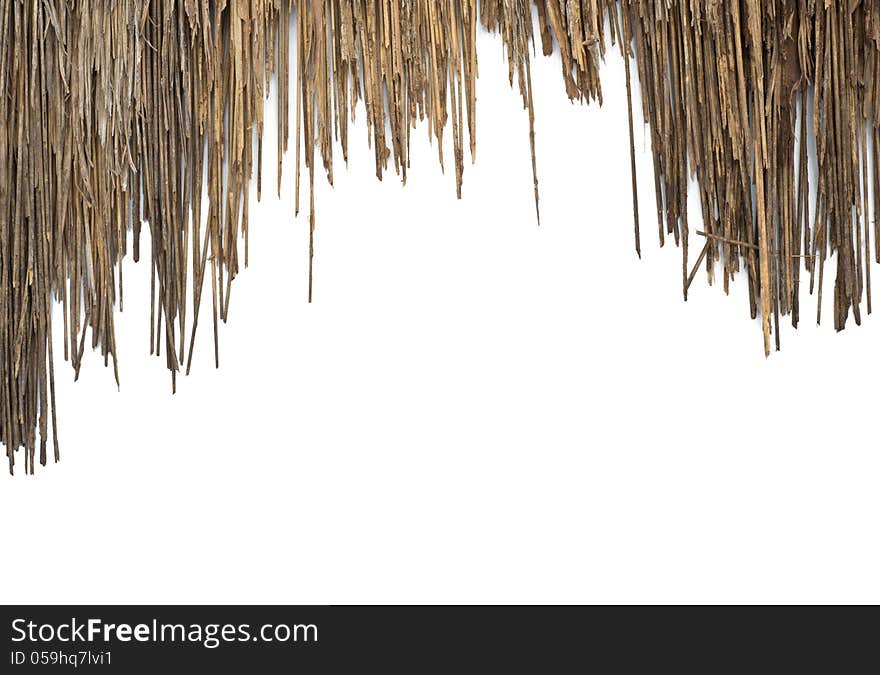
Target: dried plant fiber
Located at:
point(115, 115)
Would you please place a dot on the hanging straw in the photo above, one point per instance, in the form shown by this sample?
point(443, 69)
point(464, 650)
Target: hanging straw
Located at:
point(118, 113)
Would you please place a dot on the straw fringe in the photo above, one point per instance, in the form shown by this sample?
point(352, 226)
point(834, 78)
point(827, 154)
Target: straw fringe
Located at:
point(118, 113)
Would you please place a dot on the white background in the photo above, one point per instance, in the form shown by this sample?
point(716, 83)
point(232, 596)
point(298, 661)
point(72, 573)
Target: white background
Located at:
point(473, 410)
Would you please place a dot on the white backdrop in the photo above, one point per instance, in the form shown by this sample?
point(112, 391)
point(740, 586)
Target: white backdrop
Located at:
point(474, 409)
